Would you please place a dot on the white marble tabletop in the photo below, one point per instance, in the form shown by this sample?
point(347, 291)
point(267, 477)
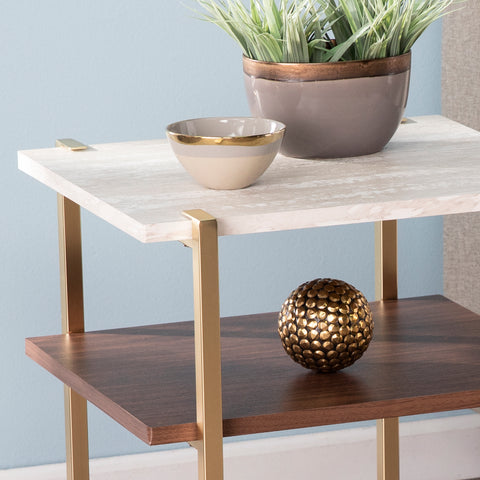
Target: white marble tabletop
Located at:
point(431, 167)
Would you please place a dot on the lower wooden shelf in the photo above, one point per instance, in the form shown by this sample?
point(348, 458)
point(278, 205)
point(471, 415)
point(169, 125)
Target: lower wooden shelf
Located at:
point(424, 357)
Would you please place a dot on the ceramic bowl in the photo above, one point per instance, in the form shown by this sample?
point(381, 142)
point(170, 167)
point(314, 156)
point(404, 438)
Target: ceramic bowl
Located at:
point(332, 109)
point(226, 153)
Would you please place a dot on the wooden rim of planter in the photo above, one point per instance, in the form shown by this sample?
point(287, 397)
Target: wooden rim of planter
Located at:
point(311, 72)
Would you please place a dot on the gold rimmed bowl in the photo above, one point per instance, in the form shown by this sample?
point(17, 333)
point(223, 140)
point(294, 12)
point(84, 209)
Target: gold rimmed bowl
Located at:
point(226, 153)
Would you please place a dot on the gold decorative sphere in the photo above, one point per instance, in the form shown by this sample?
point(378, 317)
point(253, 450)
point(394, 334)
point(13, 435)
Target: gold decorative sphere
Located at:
point(325, 324)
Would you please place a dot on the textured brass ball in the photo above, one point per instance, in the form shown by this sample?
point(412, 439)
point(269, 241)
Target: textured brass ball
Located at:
point(325, 325)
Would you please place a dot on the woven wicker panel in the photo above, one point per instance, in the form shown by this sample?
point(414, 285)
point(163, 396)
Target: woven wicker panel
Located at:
point(461, 102)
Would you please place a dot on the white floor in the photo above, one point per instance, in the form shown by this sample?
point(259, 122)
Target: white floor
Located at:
point(438, 449)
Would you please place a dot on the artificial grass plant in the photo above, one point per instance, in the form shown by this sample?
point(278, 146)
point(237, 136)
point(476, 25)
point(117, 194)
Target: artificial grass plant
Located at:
point(302, 31)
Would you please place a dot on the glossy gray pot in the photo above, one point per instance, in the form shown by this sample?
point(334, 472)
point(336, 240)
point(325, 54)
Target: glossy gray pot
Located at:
point(331, 110)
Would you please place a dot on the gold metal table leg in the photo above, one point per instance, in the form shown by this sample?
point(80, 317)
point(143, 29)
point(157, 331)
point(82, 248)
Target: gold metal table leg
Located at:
point(208, 366)
point(71, 283)
point(388, 457)
point(386, 260)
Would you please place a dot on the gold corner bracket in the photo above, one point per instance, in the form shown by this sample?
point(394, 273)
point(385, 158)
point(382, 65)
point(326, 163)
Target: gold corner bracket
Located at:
point(70, 144)
point(208, 365)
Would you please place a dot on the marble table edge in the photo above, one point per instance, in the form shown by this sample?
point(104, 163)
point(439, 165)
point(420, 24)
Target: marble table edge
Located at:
point(322, 217)
point(86, 200)
point(251, 223)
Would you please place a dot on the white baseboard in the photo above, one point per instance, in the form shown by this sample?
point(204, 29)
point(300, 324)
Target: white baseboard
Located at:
point(436, 449)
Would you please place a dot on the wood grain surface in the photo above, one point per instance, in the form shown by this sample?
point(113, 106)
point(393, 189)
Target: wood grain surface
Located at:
point(424, 357)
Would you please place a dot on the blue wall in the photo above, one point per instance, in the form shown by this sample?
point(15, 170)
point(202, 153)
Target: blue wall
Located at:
point(103, 71)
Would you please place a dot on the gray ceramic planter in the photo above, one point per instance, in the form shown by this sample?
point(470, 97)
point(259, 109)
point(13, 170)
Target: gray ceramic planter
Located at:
point(331, 110)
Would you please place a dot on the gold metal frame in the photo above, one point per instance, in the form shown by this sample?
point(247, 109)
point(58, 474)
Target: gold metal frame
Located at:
point(208, 366)
point(204, 245)
point(388, 455)
point(71, 293)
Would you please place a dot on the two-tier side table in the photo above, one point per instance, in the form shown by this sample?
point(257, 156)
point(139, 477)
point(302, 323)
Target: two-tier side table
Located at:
point(189, 382)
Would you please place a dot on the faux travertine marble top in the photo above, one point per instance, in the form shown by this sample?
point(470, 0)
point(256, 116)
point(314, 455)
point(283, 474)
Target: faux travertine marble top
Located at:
point(431, 167)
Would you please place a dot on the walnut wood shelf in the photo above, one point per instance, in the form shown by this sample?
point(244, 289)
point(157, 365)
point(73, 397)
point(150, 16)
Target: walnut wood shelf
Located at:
point(425, 357)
